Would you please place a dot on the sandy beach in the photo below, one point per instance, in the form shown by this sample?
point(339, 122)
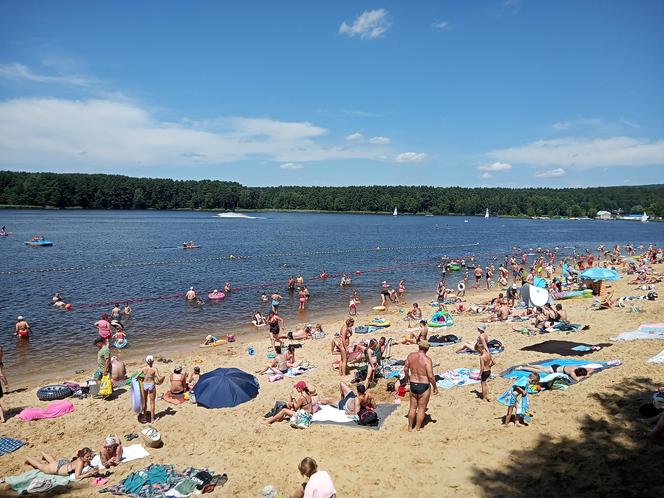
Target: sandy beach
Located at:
point(582, 441)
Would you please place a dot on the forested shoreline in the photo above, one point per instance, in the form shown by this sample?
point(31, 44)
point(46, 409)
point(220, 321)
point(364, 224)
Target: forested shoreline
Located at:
point(97, 191)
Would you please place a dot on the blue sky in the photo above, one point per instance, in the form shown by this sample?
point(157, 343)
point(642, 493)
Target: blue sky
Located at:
point(493, 93)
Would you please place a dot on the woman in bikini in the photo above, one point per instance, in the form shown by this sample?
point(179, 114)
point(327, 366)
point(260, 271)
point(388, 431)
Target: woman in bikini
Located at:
point(178, 381)
point(64, 466)
point(151, 377)
point(303, 402)
point(303, 299)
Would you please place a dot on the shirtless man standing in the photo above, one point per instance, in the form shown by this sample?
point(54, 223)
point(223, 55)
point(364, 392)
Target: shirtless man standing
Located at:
point(190, 295)
point(418, 371)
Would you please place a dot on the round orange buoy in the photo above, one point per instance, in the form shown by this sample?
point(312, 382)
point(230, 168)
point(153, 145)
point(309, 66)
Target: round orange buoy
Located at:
point(69, 307)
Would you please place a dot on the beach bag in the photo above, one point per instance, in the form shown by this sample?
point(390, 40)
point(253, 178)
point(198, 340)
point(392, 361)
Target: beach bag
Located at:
point(278, 406)
point(105, 386)
point(367, 416)
point(495, 344)
point(301, 419)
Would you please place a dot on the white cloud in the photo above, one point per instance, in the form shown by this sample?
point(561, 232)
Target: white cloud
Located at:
point(362, 114)
point(291, 166)
point(497, 166)
point(380, 140)
point(442, 25)
point(100, 134)
point(19, 72)
point(354, 136)
point(585, 153)
point(552, 173)
point(486, 174)
point(411, 157)
point(561, 125)
point(370, 24)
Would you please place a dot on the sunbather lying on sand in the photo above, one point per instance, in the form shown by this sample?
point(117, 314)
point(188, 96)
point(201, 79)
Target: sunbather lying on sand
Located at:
point(576, 373)
point(65, 466)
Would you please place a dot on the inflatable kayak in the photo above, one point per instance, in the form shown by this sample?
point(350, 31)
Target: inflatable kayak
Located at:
point(216, 296)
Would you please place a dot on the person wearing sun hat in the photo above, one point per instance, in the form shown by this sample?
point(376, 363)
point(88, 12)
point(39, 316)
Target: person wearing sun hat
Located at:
point(299, 409)
point(22, 327)
point(111, 454)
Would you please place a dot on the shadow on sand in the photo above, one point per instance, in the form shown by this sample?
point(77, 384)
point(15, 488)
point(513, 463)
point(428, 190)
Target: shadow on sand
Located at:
point(610, 457)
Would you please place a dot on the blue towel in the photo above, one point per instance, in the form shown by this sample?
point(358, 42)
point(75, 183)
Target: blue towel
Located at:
point(564, 362)
point(8, 445)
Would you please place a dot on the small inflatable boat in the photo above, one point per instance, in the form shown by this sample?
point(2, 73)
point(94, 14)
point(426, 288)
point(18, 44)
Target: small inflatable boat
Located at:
point(39, 243)
point(216, 296)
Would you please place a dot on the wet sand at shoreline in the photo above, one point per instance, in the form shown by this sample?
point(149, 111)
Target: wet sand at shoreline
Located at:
point(584, 437)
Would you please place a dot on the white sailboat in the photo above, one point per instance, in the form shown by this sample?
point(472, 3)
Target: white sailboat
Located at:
point(395, 212)
point(486, 215)
point(644, 217)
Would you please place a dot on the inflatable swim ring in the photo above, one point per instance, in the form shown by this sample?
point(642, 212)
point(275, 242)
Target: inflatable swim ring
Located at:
point(136, 395)
point(120, 344)
point(216, 296)
point(461, 286)
point(441, 319)
point(379, 308)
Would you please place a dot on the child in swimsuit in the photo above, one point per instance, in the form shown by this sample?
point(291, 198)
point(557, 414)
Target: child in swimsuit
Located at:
point(486, 362)
point(510, 398)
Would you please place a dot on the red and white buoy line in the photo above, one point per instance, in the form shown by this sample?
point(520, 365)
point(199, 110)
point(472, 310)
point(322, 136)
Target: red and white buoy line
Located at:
point(230, 257)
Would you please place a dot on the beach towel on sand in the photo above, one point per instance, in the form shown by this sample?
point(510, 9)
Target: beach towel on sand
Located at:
point(645, 331)
point(514, 373)
point(53, 410)
point(129, 453)
point(565, 348)
point(458, 377)
point(332, 416)
point(9, 445)
point(26, 481)
point(657, 358)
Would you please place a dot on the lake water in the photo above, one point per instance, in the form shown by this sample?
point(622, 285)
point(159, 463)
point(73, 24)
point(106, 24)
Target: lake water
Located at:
point(103, 257)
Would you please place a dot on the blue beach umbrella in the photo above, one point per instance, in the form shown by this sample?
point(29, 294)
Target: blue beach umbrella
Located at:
point(596, 274)
point(225, 387)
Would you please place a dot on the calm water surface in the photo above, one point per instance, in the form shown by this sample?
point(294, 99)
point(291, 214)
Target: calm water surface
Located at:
point(102, 257)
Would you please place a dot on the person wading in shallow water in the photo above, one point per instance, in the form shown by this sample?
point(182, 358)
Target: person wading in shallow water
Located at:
point(418, 371)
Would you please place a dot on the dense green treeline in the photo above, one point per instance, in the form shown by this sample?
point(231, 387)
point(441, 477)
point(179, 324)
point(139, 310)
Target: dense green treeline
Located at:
point(122, 192)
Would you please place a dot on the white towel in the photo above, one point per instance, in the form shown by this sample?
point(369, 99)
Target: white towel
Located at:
point(327, 413)
point(129, 453)
point(657, 359)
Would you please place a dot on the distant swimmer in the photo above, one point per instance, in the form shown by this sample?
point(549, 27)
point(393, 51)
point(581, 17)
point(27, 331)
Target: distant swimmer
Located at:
point(190, 295)
point(22, 327)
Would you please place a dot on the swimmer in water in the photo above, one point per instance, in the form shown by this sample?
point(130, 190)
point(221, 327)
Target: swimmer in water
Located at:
point(22, 327)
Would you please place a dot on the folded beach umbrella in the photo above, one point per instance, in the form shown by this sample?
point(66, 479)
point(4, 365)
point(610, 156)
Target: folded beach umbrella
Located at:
point(596, 274)
point(225, 387)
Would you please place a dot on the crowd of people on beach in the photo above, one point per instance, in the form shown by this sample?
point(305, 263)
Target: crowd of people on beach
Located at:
point(364, 360)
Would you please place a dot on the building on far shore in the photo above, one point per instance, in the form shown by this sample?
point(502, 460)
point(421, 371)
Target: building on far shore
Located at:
point(603, 215)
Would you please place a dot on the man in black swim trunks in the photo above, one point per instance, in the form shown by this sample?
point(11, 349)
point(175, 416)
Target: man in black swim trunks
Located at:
point(419, 371)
